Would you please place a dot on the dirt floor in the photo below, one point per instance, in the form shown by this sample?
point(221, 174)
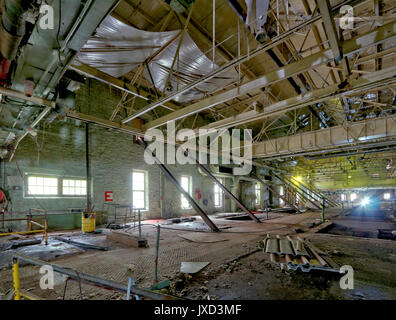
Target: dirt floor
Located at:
point(238, 269)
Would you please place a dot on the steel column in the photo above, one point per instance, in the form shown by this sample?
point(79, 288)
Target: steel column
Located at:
point(232, 197)
point(196, 207)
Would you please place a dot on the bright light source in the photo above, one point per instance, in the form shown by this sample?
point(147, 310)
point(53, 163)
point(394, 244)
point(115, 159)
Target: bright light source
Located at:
point(353, 196)
point(365, 202)
point(298, 178)
point(386, 196)
point(349, 177)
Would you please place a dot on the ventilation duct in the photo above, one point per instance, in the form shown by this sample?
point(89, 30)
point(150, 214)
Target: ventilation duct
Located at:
point(12, 26)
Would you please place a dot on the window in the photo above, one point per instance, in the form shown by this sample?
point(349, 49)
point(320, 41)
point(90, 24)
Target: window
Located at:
point(42, 186)
point(72, 187)
point(218, 194)
point(139, 190)
point(257, 189)
point(185, 182)
point(353, 196)
point(386, 196)
point(343, 197)
point(281, 192)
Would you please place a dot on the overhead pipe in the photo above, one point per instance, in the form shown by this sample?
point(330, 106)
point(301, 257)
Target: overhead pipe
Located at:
point(12, 26)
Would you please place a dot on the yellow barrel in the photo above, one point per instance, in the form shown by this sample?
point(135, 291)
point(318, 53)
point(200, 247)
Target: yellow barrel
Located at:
point(88, 222)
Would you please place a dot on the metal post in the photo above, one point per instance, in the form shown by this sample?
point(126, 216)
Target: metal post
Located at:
point(45, 230)
point(140, 225)
point(87, 167)
point(131, 283)
point(93, 280)
point(15, 276)
point(323, 209)
point(196, 207)
point(156, 254)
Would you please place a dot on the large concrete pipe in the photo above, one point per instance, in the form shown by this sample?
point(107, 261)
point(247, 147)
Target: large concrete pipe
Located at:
point(12, 26)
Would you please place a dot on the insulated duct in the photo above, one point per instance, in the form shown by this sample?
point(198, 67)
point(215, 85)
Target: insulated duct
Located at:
point(12, 26)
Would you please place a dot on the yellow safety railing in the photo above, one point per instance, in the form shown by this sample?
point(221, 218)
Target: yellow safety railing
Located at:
point(29, 230)
point(18, 293)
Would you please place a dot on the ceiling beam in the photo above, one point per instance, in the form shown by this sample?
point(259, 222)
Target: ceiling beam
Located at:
point(349, 47)
point(309, 98)
point(375, 131)
point(119, 84)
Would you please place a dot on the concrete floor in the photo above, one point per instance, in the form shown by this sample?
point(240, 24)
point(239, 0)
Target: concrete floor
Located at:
point(237, 269)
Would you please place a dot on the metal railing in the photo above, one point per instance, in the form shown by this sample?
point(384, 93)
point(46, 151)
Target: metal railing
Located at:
point(80, 278)
point(29, 226)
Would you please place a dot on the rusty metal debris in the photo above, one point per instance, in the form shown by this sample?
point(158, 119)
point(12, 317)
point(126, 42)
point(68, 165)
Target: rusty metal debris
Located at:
point(296, 254)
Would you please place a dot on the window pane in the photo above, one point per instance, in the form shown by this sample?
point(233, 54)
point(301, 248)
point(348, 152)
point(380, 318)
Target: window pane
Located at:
point(73, 187)
point(184, 203)
point(138, 181)
point(42, 186)
point(138, 199)
point(185, 184)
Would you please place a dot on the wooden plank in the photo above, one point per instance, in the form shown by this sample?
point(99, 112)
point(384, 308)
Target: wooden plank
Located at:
point(127, 239)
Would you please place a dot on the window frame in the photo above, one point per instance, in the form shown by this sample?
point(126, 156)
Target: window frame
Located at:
point(145, 190)
point(189, 191)
point(59, 179)
point(38, 175)
point(62, 179)
point(218, 192)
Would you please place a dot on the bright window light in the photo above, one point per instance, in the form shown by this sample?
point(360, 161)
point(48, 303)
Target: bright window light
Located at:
point(42, 186)
point(218, 194)
point(185, 182)
point(365, 201)
point(386, 196)
point(343, 197)
point(353, 196)
point(281, 192)
point(139, 190)
point(74, 187)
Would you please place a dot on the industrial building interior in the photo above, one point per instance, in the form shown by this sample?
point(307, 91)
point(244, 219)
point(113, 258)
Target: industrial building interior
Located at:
point(291, 102)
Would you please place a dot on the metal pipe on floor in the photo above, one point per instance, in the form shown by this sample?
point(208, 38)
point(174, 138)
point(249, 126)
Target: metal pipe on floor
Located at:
point(92, 280)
